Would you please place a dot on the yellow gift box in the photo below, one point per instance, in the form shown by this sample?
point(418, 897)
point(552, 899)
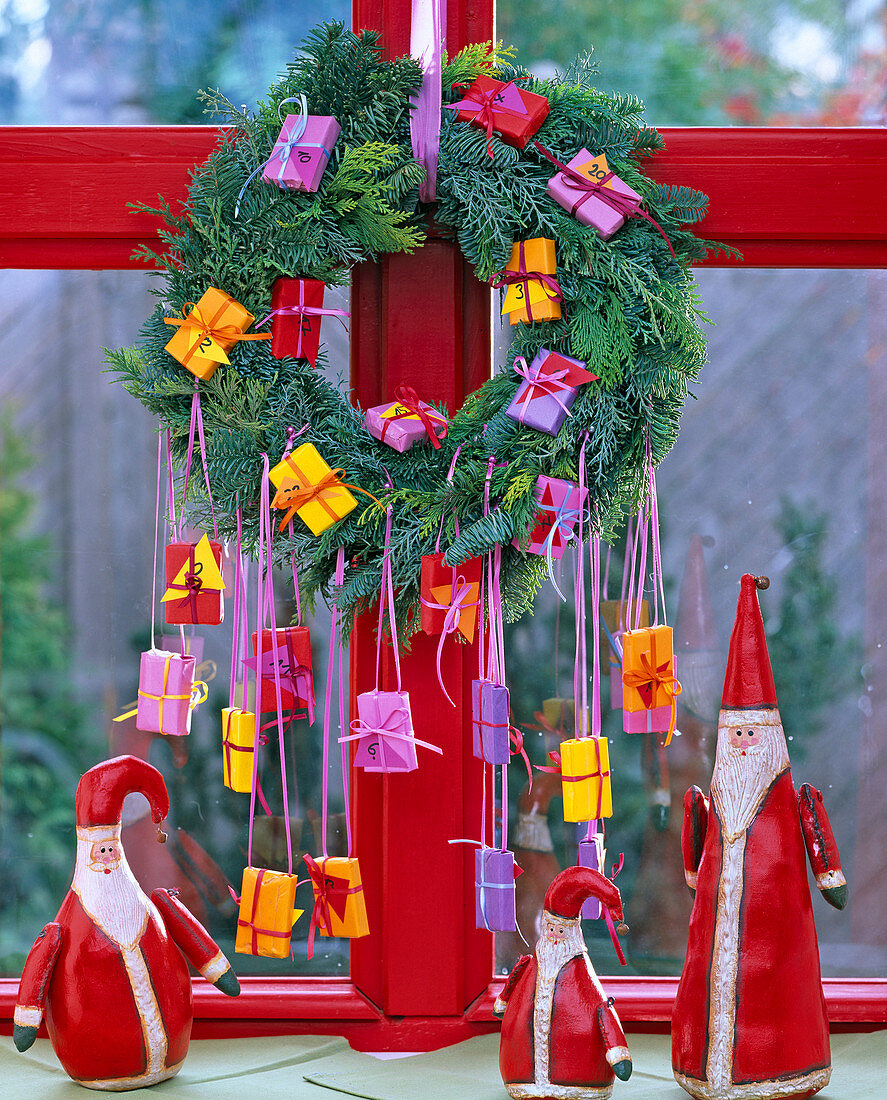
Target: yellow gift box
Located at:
point(208, 330)
point(585, 775)
point(304, 477)
point(267, 913)
point(238, 747)
point(539, 255)
point(648, 678)
point(339, 903)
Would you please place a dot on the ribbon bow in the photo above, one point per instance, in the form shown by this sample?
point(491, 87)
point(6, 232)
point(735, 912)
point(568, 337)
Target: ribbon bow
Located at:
point(330, 894)
point(204, 330)
point(646, 678)
point(557, 769)
point(622, 204)
point(408, 399)
point(291, 496)
point(300, 309)
point(541, 385)
point(389, 728)
point(523, 276)
point(461, 591)
point(486, 106)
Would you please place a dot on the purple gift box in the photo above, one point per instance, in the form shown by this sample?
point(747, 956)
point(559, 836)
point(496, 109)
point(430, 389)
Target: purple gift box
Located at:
point(299, 167)
point(559, 505)
point(593, 211)
point(494, 874)
point(387, 742)
point(656, 720)
point(400, 427)
point(164, 701)
point(592, 854)
point(489, 721)
point(548, 388)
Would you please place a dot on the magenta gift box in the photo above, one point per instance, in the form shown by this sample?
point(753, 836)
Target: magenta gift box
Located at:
point(559, 504)
point(489, 721)
point(594, 211)
point(301, 167)
point(494, 889)
point(165, 683)
point(591, 854)
point(543, 402)
point(402, 431)
point(656, 720)
point(387, 743)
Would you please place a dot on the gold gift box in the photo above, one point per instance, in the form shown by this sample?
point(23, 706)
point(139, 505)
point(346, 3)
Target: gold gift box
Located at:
point(585, 775)
point(190, 347)
point(267, 913)
point(354, 924)
point(642, 651)
point(304, 468)
point(539, 255)
point(238, 747)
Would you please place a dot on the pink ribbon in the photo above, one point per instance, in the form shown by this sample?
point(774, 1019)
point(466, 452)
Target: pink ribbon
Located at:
point(428, 32)
point(461, 590)
point(541, 385)
point(388, 729)
point(301, 310)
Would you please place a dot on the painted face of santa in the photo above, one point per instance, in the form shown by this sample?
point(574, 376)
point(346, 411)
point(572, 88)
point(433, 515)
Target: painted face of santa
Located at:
point(751, 753)
point(105, 856)
point(561, 939)
point(106, 886)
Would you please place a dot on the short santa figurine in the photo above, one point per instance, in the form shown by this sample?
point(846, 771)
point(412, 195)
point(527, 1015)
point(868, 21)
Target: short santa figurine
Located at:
point(111, 971)
point(749, 1018)
point(561, 1036)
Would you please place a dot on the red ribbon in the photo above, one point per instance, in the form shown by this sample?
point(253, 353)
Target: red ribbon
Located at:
point(516, 746)
point(330, 892)
point(409, 399)
point(484, 118)
point(622, 204)
point(508, 277)
point(555, 757)
point(608, 916)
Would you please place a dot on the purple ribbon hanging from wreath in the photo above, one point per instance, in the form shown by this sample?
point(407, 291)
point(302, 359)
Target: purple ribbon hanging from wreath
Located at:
point(428, 31)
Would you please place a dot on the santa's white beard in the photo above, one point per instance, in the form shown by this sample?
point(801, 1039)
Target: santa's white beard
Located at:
point(113, 899)
point(742, 776)
point(551, 956)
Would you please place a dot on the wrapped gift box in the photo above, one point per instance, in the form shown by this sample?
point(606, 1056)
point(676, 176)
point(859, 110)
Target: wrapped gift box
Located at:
point(547, 390)
point(194, 583)
point(339, 902)
point(166, 681)
point(494, 875)
point(200, 352)
point(238, 747)
point(559, 505)
point(585, 775)
point(305, 469)
point(387, 743)
point(292, 655)
point(647, 668)
point(592, 853)
point(267, 913)
point(439, 583)
point(534, 256)
point(588, 207)
point(300, 166)
point(295, 331)
point(515, 113)
point(490, 724)
point(400, 427)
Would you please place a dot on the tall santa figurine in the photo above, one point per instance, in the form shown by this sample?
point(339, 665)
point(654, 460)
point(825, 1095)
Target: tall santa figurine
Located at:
point(749, 1019)
point(110, 972)
point(561, 1036)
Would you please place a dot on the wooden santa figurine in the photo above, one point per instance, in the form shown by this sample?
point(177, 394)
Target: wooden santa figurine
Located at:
point(749, 1018)
point(110, 973)
point(561, 1036)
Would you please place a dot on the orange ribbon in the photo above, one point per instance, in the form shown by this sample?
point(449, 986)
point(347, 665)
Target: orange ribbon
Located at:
point(203, 329)
point(646, 678)
point(291, 495)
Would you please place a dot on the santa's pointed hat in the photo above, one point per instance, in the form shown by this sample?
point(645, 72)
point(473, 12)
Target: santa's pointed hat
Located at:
point(695, 621)
point(101, 791)
point(574, 886)
point(749, 680)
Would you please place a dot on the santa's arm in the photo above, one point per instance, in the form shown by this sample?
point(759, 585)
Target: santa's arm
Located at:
point(502, 1000)
point(693, 830)
point(195, 943)
point(34, 985)
point(821, 848)
point(618, 1055)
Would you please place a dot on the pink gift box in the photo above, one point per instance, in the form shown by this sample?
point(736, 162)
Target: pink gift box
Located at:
point(164, 701)
point(559, 505)
point(593, 211)
point(386, 742)
point(656, 720)
point(404, 429)
point(300, 167)
point(548, 388)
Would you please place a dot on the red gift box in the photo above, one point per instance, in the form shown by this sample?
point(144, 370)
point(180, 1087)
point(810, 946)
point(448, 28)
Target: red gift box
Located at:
point(197, 604)
point(293, 656)
point(296, 334)
point(512, 112)
point(435, 573)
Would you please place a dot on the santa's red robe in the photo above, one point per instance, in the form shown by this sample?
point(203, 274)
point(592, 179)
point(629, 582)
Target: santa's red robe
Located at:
point(583, 1029)
point(753, 918)
point(118, 1017)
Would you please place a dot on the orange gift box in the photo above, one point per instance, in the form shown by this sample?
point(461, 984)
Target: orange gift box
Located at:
point(208, 331)
point(648, 678)
point(536, 255)
point(339, 903)
point(267, 913)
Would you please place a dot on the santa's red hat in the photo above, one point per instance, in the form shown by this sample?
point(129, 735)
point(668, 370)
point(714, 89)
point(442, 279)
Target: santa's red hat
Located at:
point(695, 627)
point(574, 886)
point(101, 791)
point(749, 680)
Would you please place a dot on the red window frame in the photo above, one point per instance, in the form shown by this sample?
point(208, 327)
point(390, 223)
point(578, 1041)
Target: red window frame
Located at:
point(422, 980)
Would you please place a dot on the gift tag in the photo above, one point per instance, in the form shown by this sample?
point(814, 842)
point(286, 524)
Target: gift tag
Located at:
point(596, 169)
point(204, 566)
point(515, 299)
point(400, 412)
point(443, 594)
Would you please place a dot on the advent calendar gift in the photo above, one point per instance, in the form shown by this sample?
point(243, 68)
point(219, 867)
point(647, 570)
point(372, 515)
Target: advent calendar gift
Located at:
point(494, 875)
point(406, 421)
point(585, 778)
point(208, 330)
point(383, 728)
point(559, 505)
point(533, 293)
point(514, 113)
point(302, 150)
point(267, 913)
point(238, 748)
point(443, 589)
point(490, 710)
point(296, 314)
point(308, 487)
point(167, 693)
point(548, 388)
point(339, 902)
point(194, 583)
point(649, 685)
point(289, 651)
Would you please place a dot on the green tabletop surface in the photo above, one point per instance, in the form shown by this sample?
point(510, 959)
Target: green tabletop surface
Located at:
point(320, 1068)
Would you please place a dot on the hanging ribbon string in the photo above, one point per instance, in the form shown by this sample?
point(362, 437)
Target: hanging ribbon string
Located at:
point(428, 32)
point(334, 647)
point(156, 539)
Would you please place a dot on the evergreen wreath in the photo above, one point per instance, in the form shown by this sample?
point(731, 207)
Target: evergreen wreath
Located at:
point(630, 311)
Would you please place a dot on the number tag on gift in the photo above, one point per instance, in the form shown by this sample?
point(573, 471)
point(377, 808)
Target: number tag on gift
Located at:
point(210, 350)
point(400, 412)
point(596, 170)
point(514, 296)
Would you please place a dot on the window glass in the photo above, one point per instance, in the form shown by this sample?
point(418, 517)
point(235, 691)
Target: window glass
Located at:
point(717, 62)
point(778, 470)
point(79, 457)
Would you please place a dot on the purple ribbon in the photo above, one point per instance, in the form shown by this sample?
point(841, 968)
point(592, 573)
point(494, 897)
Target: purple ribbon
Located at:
point(428, 32)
